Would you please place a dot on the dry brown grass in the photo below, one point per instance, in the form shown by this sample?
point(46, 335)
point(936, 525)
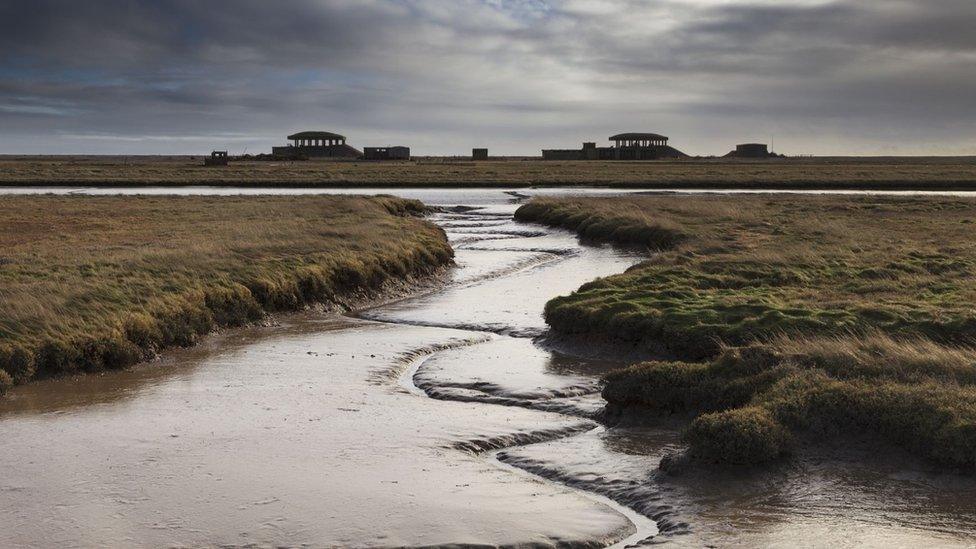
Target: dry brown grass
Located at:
point(906, 173)
point(98, 282)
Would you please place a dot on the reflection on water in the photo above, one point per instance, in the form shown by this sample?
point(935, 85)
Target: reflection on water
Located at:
point(282, 440)
point(178, 365)
point(389, 431)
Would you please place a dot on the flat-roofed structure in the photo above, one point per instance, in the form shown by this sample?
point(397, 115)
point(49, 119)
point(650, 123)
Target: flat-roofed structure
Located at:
point(386, 153)
point(627, 146)
point(639, 140)
point(317, 139)
point(479, 154)
point(752, 150)
point(316, 144)
point(216, 158)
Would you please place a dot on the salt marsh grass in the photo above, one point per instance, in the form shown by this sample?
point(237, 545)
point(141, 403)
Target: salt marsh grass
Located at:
point(95, 283)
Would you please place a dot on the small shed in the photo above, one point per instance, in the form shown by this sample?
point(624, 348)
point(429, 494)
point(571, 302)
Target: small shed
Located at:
point(752, 150)
point(479, 154)
point(386, 153)
point(216, 158)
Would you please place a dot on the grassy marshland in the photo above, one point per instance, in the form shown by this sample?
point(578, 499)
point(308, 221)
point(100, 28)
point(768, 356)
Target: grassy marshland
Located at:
point(95, 283)
point(911, 173)
point(788, 316)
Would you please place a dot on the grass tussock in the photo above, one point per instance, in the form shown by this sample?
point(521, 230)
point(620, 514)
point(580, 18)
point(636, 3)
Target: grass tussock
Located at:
point(627, 226)
point(754, 399)
point(95, 283)
point(793, 315)
point(748, 268)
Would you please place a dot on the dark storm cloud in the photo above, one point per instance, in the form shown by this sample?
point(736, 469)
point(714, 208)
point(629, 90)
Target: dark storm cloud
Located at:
point(177, 75)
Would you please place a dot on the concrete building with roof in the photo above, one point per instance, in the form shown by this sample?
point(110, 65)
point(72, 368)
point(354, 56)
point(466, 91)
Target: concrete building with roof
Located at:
point(640, 140)
point(751, 150)
point(316, 144)
point(626, 146)
point(386, 153)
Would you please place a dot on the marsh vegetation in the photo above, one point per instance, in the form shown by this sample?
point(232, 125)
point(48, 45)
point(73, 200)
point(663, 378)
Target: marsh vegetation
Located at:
point(797, 173)
point(787, 317)
point(95, 283)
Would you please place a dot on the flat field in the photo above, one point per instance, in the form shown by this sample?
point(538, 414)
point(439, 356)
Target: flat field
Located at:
point(780, 316)
point(795, 173)
point(92, 283)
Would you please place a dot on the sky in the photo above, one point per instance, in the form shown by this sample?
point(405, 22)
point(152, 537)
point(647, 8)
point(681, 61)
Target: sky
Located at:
point(858, 77)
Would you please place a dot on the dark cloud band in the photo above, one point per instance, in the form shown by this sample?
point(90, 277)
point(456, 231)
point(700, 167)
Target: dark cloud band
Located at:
point(860, 76)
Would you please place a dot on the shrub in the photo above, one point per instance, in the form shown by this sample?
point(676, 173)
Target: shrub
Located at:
point(17, 361)
point(56, 356)
point(739, 437)
point(912, 393)
point(232, 306)
point(314, 285)
point(6, 382)
point(182, 320)
point(142, 330)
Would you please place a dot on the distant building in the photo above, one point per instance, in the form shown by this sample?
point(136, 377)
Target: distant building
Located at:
point(216, 158)
point(752, 150)
point(479, 154)
point(590, 151)
point(386, 153)
point(639, 140)
point(316, 144)
point(627, 146)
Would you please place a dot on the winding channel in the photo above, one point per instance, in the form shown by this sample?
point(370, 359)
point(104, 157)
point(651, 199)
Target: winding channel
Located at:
point(444, 419)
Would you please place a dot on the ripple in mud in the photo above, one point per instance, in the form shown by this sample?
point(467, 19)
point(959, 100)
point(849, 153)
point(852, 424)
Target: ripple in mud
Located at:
point(510, 372)
point(274, 439)
point(584, 462)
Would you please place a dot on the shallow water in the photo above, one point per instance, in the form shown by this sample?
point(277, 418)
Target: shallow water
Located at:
point(441, 419)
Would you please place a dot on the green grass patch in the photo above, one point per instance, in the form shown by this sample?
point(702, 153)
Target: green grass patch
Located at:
point(915, 393)
point(630, 228)
point(789, 314)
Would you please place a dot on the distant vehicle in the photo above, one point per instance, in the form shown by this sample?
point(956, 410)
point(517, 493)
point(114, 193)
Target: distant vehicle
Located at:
point(216, 158)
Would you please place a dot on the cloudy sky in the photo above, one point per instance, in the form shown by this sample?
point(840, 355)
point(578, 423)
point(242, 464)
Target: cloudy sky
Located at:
point(443, 76)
